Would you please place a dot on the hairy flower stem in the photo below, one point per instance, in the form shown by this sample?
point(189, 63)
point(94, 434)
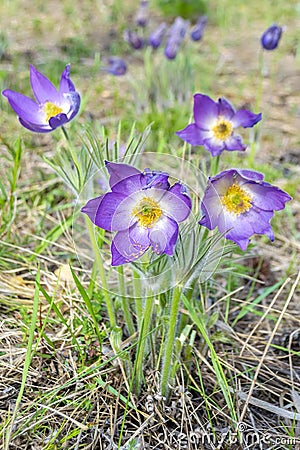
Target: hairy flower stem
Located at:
point(125, 301)
point(167, 361)
point(73, 153)
point(100, 267)
point(214, 165)
point(138, 298)
point(259, 91)
point(145, 327)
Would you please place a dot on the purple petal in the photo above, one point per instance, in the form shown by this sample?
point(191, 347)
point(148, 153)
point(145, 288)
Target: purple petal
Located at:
point(234, 142)
point(225, 109)
point(26, 108)
point(139, 236)
point(156, 179)
point(250, 174)
point(268, 197)
point(193, 134)
point(129, 185)
point(122, 249)
point(66, 86)
point(205, 111)
point(42, 88)
point(176, 203)
point(74, 101)
point(36, 127)
point(119, 171)
point(215, 146)
point(58, 120)
point(163, 236)
point(244, 118)
point(112, 213)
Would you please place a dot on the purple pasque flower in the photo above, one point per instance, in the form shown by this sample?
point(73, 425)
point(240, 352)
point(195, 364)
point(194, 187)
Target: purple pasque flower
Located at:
point(52, 108)
point(133, 39)
point(271, 37)
point(142, 15)
point(156, 37)
point(175, 37)
point(115, 66)
point(214, 125)
point(241, 204)
point(142, 208)
point(197, 31)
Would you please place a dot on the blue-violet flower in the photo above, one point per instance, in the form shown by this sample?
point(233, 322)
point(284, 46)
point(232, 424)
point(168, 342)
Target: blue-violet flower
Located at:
point(241, 204)
point(271, 37)
point(142, 208)
point(115, 66)
point(175, 37)
point(52, 108)
point(214, 125)
point(156, 37)
point(133, 39)
point(197, 31)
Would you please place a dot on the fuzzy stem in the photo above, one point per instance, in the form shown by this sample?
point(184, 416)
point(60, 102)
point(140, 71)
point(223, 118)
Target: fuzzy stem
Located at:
point(147, 314)
point(138, 298)
point(73, 152)
point(125, 302)
point(214, 165)
point(100, 267)
point(166, 368)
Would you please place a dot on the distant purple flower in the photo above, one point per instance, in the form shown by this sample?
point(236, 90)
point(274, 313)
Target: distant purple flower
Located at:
point(52, 108)
point(133, 39)
point(197, 30)
point(175, 37)
point(271, 37)
point(241, 204)
point(142, 208)
point(156, 37)
point(116, 66)
point(214, 125)
point(142, 15)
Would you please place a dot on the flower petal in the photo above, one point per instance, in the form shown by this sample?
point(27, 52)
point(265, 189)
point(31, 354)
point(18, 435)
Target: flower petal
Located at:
point(268, 197)
point(42, 87)
point(66, 86)
point(176, 203)
point(244, 118)
point(119, 171)
point(205, 111)
point(58, 120)
point(37, 128)
point(73, 101)
point(163, 236)
point(26, 108)
point(215, 146)
point(225, 109)
point(234, 142)
point(193, 134)
point(122, 249)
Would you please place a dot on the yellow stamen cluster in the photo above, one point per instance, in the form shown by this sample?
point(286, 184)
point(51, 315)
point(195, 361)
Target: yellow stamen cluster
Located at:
point(51, 110)
point(222, 129)
point(147, 212)
point(236, 200)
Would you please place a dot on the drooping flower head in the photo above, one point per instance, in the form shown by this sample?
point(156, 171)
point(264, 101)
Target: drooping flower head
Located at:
point(215, 123)
point(175, 37)
point(142, 15)
point(142, 208)
point(52, 108)
point(156, 37)
point(241, 204)
point(133, 39)
point(271, 37)
point(115, 66)
point(197, 31)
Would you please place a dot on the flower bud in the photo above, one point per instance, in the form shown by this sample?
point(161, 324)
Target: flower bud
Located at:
point(133, 39)
point(156, 37)
point(197, 30)
point(175, 38)
point(116, 66)
point(142, 15)
point(271, 37)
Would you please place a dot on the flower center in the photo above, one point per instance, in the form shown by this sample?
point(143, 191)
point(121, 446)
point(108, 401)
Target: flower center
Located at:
point(236, 200)
point(222, 129)
point(51, 110)
point(147, 212)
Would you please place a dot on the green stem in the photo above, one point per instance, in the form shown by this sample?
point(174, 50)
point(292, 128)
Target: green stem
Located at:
point(138, 298)
point(259, 92)
point(125, 302)
point(165, 375)
point(147, 314)
point(100, 267)
point(214, 165)
point(73, 152)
